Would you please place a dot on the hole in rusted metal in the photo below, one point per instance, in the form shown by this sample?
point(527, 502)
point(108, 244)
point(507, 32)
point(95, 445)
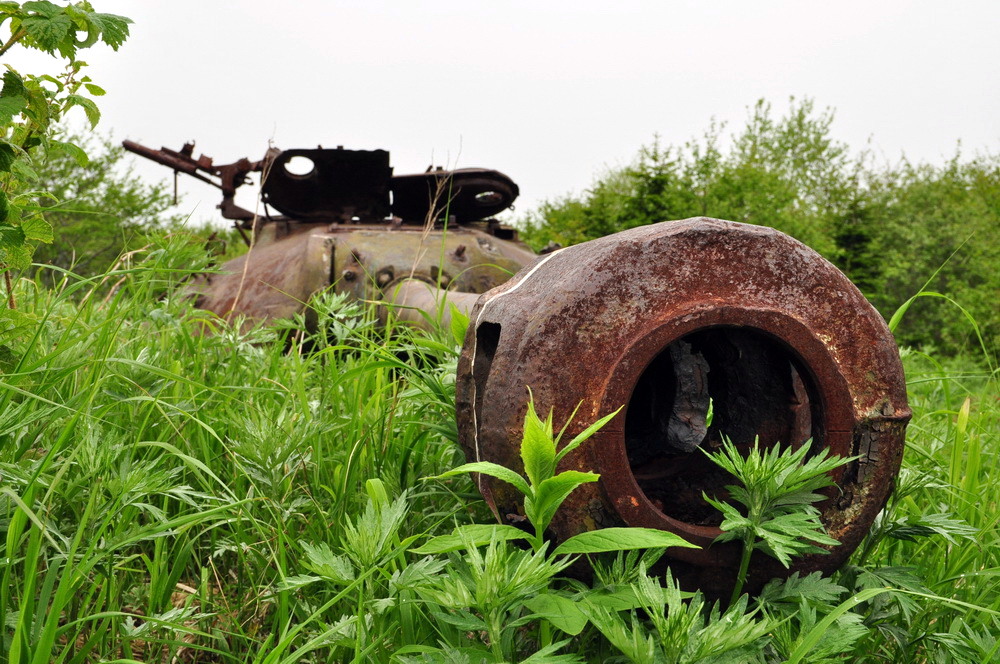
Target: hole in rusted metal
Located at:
point(758, 388)
point(487, 340)
point(299, 166)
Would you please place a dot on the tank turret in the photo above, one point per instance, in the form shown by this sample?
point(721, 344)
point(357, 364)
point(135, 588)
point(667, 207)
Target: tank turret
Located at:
point(340, 219)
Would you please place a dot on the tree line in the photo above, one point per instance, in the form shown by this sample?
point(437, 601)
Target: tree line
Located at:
point(894, 228)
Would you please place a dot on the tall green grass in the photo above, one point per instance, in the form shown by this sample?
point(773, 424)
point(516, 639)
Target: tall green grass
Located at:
point(177, 488)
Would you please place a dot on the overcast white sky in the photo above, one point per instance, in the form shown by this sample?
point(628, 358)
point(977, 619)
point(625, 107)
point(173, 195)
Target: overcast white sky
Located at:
point(551, 93)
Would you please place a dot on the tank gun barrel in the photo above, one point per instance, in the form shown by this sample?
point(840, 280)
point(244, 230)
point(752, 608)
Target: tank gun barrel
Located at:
point(178, 161)
point(230, 176)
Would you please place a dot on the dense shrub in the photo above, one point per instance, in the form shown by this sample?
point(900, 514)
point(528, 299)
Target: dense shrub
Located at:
point(889, 227)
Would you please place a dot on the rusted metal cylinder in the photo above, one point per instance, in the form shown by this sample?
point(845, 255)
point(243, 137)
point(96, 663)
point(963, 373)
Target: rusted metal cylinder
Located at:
point(423, 304)
point(660, 319)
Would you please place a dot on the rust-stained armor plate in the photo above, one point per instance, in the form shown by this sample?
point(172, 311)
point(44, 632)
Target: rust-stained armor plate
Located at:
point(660, 319)
point(342, 221)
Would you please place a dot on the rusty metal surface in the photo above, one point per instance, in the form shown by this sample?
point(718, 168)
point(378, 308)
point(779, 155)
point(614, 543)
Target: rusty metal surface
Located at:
point(338, 228)
point(278, 275)
point(466, 194)
point(226, 177)
point(424, 305)
point(344, 186)
point(329, 185)
point(656, 319)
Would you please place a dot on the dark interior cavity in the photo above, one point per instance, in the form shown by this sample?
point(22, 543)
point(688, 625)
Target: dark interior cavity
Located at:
point(487, 340)
point(757, 388)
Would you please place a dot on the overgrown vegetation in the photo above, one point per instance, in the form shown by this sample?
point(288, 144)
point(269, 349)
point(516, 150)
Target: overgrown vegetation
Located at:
point(225, 497)
point(99, 209)
point(30, 107)
point(887, 226)
point(176, 488)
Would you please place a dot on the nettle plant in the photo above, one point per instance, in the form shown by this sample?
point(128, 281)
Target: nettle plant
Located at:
point(32, 105)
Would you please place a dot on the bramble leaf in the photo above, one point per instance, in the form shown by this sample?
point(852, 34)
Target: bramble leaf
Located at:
point(114, 28)
point(13, 85)
point(7, 156)
point(36, 228)
point(9, 107)
point(10, 236)
point(72, 150)
point(48, 30)
point(17, 256)
point(88, 106)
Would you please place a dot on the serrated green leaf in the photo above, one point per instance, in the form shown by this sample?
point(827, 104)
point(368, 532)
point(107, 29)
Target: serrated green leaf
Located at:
point(559, 610)
point(622, 599)
point(7, 156)
point(23, 171)
point(9, 107)
point(43, 7)
point(476, 534)
point(75, 152)
point(322, 561)
point(16, 256)
point(11, 236)
point(48, 31)
point(88, 106)
point(816, 588)
point(538, 450)
point(464, 621)
point(909, 528)
point(36, 228)
point(114, 28)
point(13, 85)
point(621, 539)
point(296, 582)
point(813, 637)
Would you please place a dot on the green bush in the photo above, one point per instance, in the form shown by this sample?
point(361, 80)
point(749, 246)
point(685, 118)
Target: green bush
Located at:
point(888, 227)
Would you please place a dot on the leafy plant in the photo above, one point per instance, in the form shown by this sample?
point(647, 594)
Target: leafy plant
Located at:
point(98, 209)
point(681, 628)
point(30, 105)
point(777, 491)
point(544, 490)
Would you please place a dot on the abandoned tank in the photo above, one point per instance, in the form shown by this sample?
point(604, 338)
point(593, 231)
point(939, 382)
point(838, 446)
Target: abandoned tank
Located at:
point(659, 321)
point(340, 219)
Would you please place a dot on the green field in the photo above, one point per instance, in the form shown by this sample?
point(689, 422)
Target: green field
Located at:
point(168, 496)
